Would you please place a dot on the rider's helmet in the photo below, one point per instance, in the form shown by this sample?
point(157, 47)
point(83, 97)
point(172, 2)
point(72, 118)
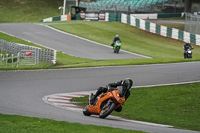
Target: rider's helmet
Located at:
point(117, 35)
point(188, 43)
point(127, 84)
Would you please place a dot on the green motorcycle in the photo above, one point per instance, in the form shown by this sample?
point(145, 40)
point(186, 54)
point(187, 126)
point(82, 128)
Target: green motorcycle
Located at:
point(117, 46)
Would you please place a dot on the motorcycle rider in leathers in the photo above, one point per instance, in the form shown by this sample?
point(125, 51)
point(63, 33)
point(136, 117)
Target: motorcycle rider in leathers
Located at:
point(115, 39)
point(126, 87)
point(186, 47)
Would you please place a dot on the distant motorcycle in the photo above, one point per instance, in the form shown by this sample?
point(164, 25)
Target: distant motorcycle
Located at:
point(117, 46)
point(188, 53)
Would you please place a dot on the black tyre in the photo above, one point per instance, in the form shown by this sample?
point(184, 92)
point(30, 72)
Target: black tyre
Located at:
point(107, 111)
point(117, 50)
point(85, 111)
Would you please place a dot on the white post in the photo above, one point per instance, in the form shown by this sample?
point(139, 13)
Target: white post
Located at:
point(12, 60)
point(1, 61)
point(18, 59)
point(76, 2)
point(64, 6)
point(6, 60)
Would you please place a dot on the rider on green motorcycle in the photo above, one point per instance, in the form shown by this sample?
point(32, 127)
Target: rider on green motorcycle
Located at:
point(115, 39)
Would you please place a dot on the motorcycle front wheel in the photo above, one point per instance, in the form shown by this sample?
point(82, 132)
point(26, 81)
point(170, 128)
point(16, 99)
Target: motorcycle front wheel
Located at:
point(117, 50)
point(107, 111)
point(85, 111)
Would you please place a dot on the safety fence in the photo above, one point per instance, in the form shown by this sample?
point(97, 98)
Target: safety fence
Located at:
point(192, 23)
point(29, 55)
point(161, 30)
point(9, 60)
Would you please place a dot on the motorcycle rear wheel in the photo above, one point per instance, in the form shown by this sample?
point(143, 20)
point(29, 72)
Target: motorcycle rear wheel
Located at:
point(107, 111)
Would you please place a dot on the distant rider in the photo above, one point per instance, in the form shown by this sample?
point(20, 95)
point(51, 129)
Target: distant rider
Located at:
point(125, 85)
point(115, 39)
point(186, 47)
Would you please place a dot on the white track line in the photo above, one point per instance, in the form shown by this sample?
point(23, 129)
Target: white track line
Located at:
point(92, 41)
point(62, 100)
point(168, 84)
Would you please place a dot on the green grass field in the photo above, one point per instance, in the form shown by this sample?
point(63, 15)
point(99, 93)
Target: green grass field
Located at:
point(21, 124)
point(172, 105)
point(11, 11)
point(176, 105)
point(162, 50)
point(42, 65)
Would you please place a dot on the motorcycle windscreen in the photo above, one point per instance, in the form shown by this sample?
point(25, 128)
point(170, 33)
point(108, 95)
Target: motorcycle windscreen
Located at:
point(118, 43)
point(120, 89)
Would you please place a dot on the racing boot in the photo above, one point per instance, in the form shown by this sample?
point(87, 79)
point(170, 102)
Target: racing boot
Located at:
point(94, 96)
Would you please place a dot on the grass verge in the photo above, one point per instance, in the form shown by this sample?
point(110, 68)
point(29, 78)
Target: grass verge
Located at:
point(15, 11)
point(176, 105)
point(42, 65)
point(161, 49)
point(21, 124)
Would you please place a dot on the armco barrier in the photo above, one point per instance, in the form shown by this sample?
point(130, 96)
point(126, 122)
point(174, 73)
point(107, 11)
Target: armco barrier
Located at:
point(162, 30)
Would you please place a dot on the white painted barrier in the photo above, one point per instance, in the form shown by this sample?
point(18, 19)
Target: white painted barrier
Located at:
point(133, 23)
point(175, 33)
point(145, 16)
point(48, 19)
point(142, 24)
point(153, 27)
point(197, 39)
point(124, 18)
point(186, 36)
point(106, 17)
point(163, 31)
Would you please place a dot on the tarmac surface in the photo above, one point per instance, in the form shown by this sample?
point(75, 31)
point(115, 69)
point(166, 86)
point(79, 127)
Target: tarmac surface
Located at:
point(70, 44)
point(22, 92)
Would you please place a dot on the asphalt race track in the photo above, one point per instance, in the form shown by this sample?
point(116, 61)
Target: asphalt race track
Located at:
point(60, 41)
point(21, 92)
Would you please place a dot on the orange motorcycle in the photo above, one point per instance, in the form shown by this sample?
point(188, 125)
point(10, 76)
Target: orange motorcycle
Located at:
point(105, 103)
